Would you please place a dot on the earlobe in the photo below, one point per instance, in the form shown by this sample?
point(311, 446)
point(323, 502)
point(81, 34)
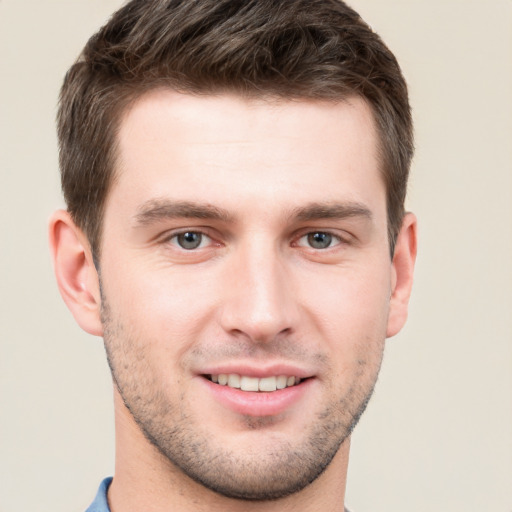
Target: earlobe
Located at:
point(402, 274)
point(75, 272)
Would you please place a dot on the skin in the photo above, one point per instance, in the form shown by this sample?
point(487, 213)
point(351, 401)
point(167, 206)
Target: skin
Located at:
point(255, 179)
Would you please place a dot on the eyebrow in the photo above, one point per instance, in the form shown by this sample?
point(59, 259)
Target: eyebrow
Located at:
point(156, 210)
point(319, 211)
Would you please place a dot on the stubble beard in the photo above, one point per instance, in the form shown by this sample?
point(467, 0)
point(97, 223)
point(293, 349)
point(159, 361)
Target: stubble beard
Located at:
point(253, 476)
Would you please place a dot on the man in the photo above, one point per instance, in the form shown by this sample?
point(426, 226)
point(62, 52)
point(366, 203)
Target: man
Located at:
point(235, 173)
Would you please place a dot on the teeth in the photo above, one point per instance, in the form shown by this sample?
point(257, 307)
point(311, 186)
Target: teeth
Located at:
point(281, 382)
point(265, 384)
point(268, 384)
point(234, 380)
point(249, 383)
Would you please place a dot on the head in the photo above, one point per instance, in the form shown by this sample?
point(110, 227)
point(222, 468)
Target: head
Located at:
point(303, 49)
point(235, 173)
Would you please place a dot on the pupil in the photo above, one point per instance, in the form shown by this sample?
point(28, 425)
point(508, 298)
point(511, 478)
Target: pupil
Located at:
point(319, 240)
point(189, 240)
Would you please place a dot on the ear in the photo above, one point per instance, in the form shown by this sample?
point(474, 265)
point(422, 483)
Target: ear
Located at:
point(402, 274)
point(75, 272)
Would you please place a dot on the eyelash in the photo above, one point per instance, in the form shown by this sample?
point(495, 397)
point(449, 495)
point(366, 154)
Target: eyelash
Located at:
point(173, 239)
point(333, 240)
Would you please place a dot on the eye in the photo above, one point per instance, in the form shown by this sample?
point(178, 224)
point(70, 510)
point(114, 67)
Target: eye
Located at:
point(190, 240)
point(319, 240)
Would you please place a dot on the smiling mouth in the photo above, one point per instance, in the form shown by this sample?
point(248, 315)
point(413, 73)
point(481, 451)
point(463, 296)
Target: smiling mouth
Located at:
point(245, 383)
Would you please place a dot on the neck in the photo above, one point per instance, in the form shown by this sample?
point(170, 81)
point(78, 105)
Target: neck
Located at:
point(146, 480)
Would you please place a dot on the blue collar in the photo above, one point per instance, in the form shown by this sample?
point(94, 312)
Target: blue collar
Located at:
point(100, 503)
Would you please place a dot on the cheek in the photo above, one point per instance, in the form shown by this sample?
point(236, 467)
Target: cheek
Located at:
point(169, 305)
point(351, 311)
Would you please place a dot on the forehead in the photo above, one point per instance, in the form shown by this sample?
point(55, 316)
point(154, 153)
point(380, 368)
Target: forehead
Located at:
point(208, 148)
point(199, 117)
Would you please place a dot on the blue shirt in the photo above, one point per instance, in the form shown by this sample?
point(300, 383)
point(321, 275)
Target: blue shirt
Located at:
point(100, 503)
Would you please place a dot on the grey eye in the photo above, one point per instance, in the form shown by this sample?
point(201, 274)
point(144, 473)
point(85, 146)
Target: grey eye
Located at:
point(319, 240)
point(189, 240)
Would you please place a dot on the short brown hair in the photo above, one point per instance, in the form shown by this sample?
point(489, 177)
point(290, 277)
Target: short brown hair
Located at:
point(311, 49)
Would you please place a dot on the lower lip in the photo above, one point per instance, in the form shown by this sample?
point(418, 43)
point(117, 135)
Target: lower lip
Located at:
point(252, 403)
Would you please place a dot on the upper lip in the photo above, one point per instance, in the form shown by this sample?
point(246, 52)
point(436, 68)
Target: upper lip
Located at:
point(261, 372)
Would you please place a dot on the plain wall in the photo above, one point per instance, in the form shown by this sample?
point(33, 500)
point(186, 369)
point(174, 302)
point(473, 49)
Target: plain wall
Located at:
point(437, 435)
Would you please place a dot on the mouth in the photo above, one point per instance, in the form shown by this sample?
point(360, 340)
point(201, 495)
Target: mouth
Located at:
point(254, 384)
point(259, 392)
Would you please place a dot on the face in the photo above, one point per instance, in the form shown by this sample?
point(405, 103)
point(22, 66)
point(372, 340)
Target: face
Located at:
point(246, 282)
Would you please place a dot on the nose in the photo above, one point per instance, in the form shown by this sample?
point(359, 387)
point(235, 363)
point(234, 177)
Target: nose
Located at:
point(259, 300)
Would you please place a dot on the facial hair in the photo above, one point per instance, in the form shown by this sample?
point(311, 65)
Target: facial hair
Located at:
point(284, 468)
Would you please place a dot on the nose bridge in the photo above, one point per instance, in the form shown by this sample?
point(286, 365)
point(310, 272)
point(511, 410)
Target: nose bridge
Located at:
point(259, 302)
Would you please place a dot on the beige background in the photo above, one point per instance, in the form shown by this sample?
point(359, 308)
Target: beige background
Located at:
point(437, 435)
